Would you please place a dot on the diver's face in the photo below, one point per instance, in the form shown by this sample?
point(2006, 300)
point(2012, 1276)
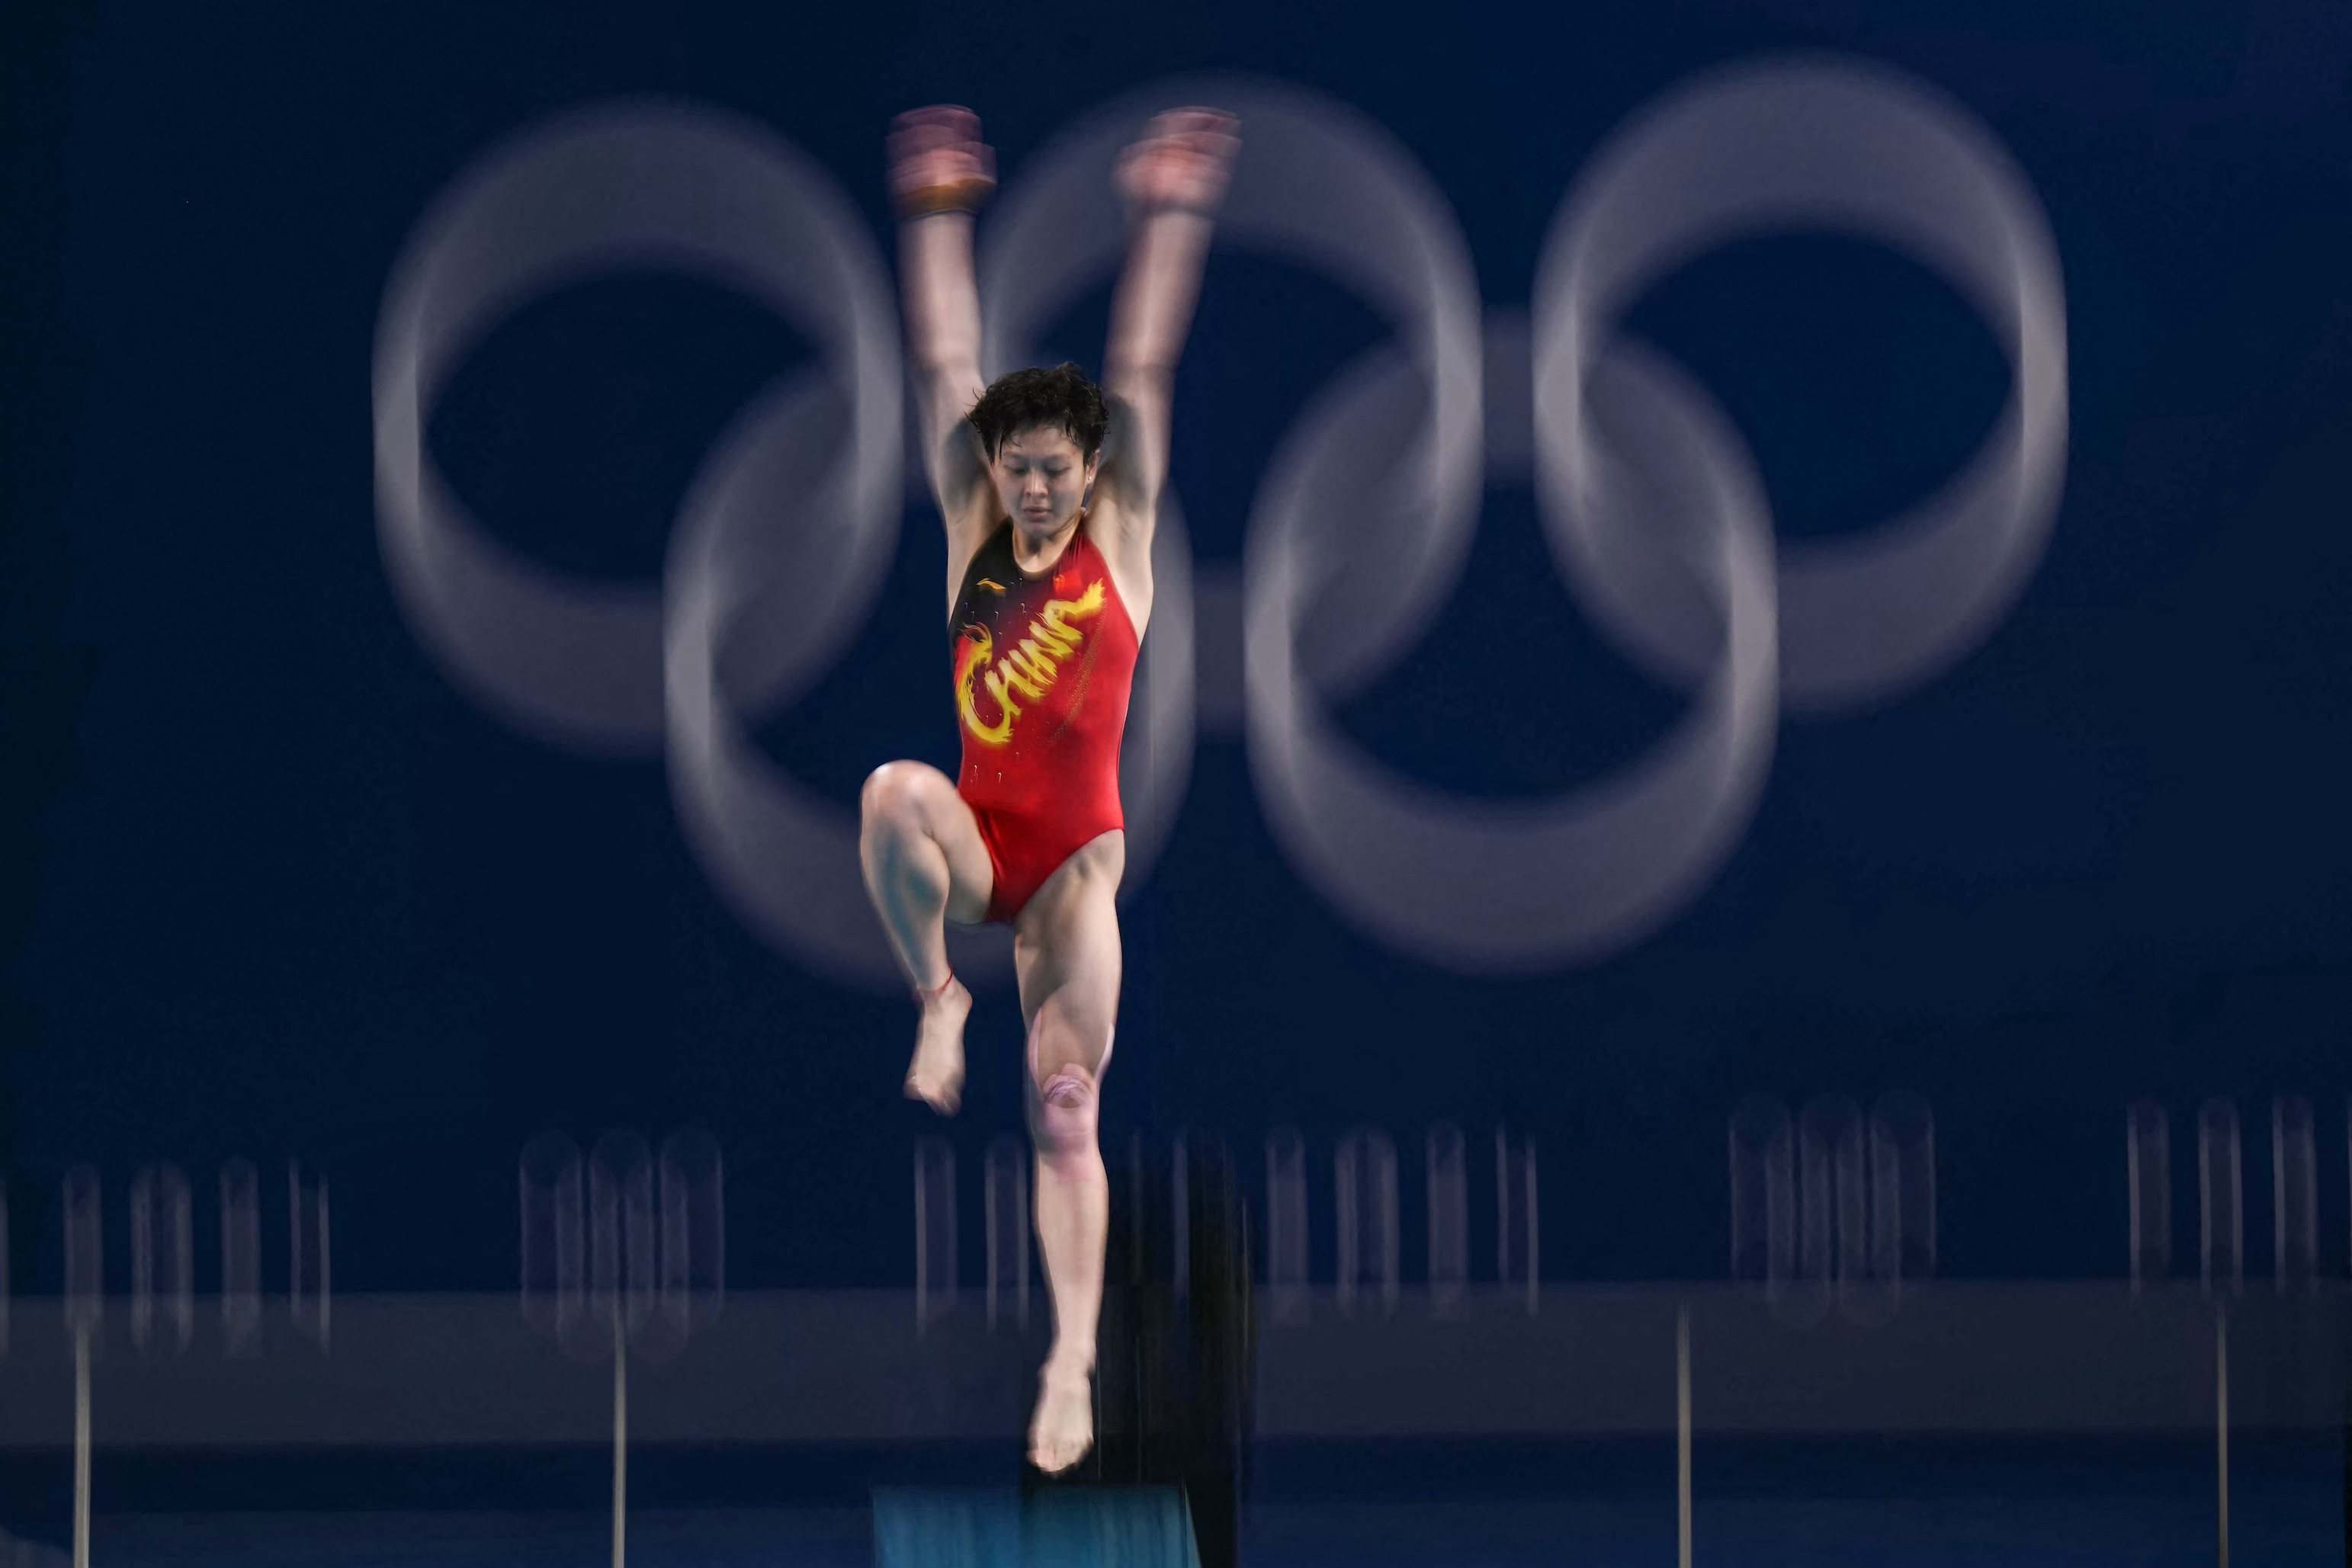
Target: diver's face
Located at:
point(1042, 479)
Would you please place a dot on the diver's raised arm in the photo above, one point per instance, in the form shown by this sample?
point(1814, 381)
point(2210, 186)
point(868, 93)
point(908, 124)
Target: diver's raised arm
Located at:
point(1172, 180)
point(941, 172)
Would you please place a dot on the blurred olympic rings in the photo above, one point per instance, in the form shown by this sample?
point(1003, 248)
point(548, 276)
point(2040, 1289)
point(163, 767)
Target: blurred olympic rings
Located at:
point(1650, 501)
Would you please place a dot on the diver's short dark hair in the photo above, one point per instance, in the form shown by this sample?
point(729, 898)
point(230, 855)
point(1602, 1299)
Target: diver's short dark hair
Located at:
point(1059, 399)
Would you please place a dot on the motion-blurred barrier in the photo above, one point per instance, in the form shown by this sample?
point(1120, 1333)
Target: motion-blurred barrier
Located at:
point(162, 1260)
point(1449, 1216)
point(1367, 1230)
point(1360, 529)
point(458, 1371)
point(2295, 1195)
point(310, 1270)
point(160, 1292)
point(937, 1259)
point(1287, 1242)
point(1903, 1185)
point(159, 1211)
point(240, 1258)
point(850, 1366)
point(1364, 1183)
point(625, 1248)
point(1183, 1382)
point(1167, 1208)
point(85, 1298)
point(2295, 1266)
point(1007, 1218)
point(1835, 1210)
point(622, 1258)
point(2222, 1203)
point(1763, 1192)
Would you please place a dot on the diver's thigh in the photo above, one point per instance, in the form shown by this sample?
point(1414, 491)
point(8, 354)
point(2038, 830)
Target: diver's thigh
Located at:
point(917, 797)
point(1068, 956)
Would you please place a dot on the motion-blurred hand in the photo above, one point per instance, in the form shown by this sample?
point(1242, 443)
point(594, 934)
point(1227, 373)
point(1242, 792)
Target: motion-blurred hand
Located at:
point(1184, 160)
point(937, 160)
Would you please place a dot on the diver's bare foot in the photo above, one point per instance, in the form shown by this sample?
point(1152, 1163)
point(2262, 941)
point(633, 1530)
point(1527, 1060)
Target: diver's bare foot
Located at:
point(935, 1075)
point(1064, 1427)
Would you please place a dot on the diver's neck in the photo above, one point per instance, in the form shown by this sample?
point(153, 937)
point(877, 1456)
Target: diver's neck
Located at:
point(1036, 556)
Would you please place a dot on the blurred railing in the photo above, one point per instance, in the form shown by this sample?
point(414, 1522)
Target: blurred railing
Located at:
point(1831, 1320)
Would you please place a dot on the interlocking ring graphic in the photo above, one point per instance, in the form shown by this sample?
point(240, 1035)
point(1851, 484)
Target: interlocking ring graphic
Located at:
point(1651, 504)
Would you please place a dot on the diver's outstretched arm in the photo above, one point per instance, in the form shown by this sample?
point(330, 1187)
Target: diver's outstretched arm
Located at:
point(1173, 180)
point(940, 173)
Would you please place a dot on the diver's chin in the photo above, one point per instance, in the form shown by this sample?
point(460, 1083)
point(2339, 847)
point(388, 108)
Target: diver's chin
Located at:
point(1039, 528)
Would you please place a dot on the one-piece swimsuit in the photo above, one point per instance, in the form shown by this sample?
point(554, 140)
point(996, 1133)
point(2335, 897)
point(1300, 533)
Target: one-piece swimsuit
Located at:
point(1043, 665)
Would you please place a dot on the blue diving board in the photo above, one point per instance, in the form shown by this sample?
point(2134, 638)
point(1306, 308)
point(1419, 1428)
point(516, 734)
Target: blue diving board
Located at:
point(1075, 1527)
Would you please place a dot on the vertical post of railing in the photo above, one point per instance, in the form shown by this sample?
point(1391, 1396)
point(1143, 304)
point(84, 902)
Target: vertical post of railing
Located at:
point(1831, 1181)
point(1853, 1200)
point(1286, 1225)
point(240, 1258)
point(2147, 1169)
point(85, 1309)
point(622, 1269)
point(163, 1259)
point(1886, 1180)
point(1515, 1227)
point(935, 1232)
point(1829, 1217)
point(693, 1232)
point(142, 1259)
point(1884, 1264)
point(1005, 1186)
point(2220, 1199)
point(1449, 1220)
point(85, 1251)
point(1364, 1182)
point(177, 1283)
point(2295, 1196)
point(1681, 1438)
point(1816, 1204)
point(310, 1282)
point(621, 1243)
point(552, 1188)
point(2222, 1424)
point(1763, 1195)
point(1834, 1147)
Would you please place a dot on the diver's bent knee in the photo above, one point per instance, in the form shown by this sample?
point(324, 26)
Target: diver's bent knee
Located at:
point(894, 795)
point(1065, 1123)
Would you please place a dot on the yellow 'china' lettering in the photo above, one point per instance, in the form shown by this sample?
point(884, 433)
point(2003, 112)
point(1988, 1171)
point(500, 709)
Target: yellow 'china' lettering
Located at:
point(1030, 662)
point(1012, 671)
point(1058, 612)
point(1027, 669)
point(974, 658)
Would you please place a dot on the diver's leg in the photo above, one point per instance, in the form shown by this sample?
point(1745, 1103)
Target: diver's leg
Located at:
point(1065, 945)
point(925, 863)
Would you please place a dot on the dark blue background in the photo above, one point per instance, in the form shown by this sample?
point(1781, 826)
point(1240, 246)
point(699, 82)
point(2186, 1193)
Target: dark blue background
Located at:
point(274, 887)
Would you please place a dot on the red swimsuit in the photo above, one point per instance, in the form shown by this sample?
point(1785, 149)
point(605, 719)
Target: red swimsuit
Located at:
point(1043, 666)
